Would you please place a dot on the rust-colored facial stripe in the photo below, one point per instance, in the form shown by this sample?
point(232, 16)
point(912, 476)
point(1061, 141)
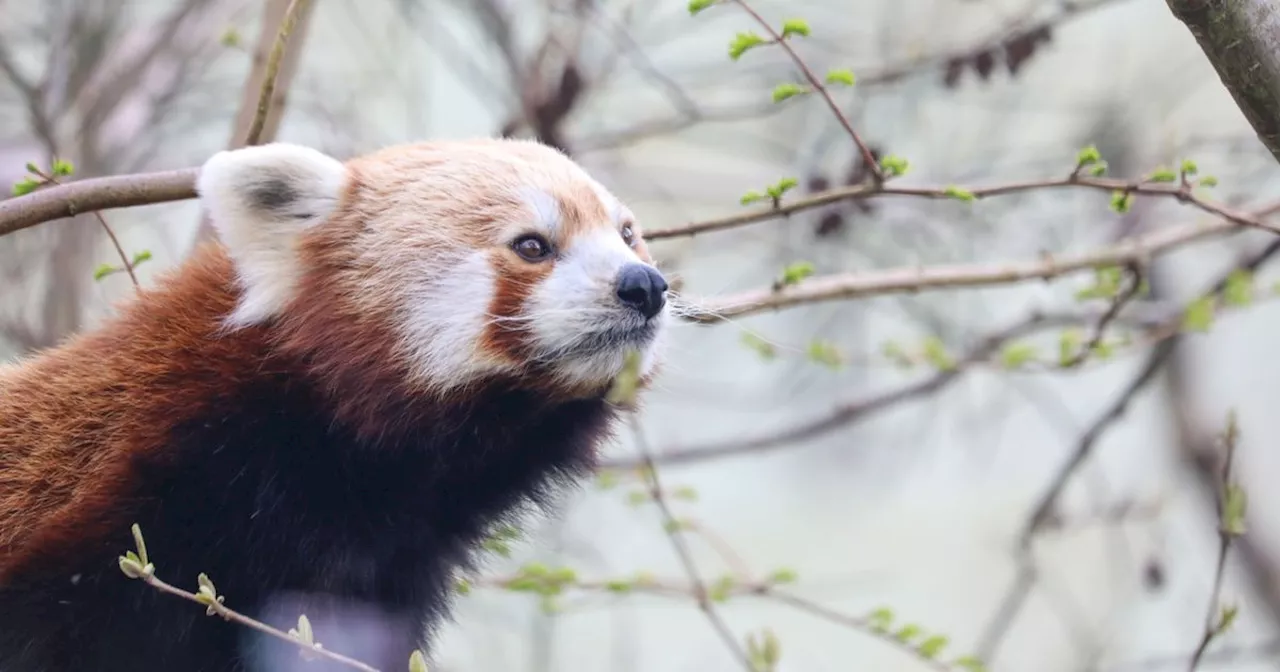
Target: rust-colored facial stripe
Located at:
point(507, 332)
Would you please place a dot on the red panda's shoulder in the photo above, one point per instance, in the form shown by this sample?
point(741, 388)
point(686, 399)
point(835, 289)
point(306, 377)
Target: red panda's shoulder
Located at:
point(72, 416)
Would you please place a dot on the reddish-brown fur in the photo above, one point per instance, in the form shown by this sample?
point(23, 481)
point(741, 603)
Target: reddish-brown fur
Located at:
point(56, 492)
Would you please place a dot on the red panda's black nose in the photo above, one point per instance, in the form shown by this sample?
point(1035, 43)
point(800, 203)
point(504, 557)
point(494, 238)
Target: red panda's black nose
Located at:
point(642, 287)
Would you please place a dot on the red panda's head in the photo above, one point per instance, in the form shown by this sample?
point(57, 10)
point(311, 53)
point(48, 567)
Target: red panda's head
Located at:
point(469, 260)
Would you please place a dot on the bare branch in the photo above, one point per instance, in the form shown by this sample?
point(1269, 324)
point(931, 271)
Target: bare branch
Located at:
point(272, 68)
point(1242, 40)
point(686, 558)
point(99, 193)
point(1180, 192)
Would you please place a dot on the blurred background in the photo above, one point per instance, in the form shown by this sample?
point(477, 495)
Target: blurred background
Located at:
point(1043, 519)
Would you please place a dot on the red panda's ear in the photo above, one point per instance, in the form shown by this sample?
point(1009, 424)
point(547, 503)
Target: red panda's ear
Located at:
point(260, 200)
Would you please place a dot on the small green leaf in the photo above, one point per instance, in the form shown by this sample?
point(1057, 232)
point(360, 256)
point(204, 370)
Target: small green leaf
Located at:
point(784, 185)
point(1088, 156)
point(303, 632)
point(685, 493)
point(62, 167)
point(970, 663)
point(783, 575)
point(751, 197)
point(841, 76)
point(1226, 618)
point(103, 270)
point(1068, 342)
point(742, 42)
point(140, 257)
point(894, 165)
point(1015, 355)
point(230, 38)
point(1199, 315)
point(626, 385)
point(795, 27)
point(462, 587)
point(720, 590)
point(25, 186)
point(1208, 181)
point(881, 618)
point(140, 544)
point(618, 586)
point(795, 273)
point(696, 6)
point(932, 646)
point(417, 662)
point(1098, 169)
point(765, 349)
point(935, 353)
point(1238, 290)
point(907, 632)
point(675, 525)
point(959, 193)
point(1121, 201)
point(606, 479)
point(1233, 510)
point(825, 353)
point(787, 90)
point(1163, 174)
point(1189, 168)
point(130, 566)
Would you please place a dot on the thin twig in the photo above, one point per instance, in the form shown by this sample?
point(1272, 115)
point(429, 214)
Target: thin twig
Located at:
point(1215, 624)
point(682, 550)
point(115, 242)
point(1117, 304)
point(868, 158)
point(273, 70)
point(860, 192)
point(231, 615)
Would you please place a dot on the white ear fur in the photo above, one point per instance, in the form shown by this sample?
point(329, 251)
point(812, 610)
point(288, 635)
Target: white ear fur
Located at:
point(260, 200)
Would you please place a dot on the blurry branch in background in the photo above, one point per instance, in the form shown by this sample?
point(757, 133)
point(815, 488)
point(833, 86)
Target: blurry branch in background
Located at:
point(65, 169)
point(276, 55)
point(284, 29)
point(97, 82)
point(1231, 507)
point(672, 526)
point(1045, 511)
point(1242, 40)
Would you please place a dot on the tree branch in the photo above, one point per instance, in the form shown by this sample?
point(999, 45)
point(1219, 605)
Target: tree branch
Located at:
point(99, 193)
point(1241, 38)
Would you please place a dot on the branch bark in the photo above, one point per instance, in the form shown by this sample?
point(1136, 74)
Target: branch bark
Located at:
point(99, 193)
point(1241, 39)
point(275, 61)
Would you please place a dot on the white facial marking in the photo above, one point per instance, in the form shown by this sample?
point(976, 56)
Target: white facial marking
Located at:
point(545, 207)
point(260, 200)
point(445, 317)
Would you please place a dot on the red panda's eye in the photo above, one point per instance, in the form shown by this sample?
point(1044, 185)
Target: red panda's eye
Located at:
point(628, 235)
point(532, 247)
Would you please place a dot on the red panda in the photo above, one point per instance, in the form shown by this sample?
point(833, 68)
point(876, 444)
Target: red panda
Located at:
point(325, 410)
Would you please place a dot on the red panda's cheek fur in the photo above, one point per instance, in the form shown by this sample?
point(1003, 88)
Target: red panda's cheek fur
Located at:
point(507, 333)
